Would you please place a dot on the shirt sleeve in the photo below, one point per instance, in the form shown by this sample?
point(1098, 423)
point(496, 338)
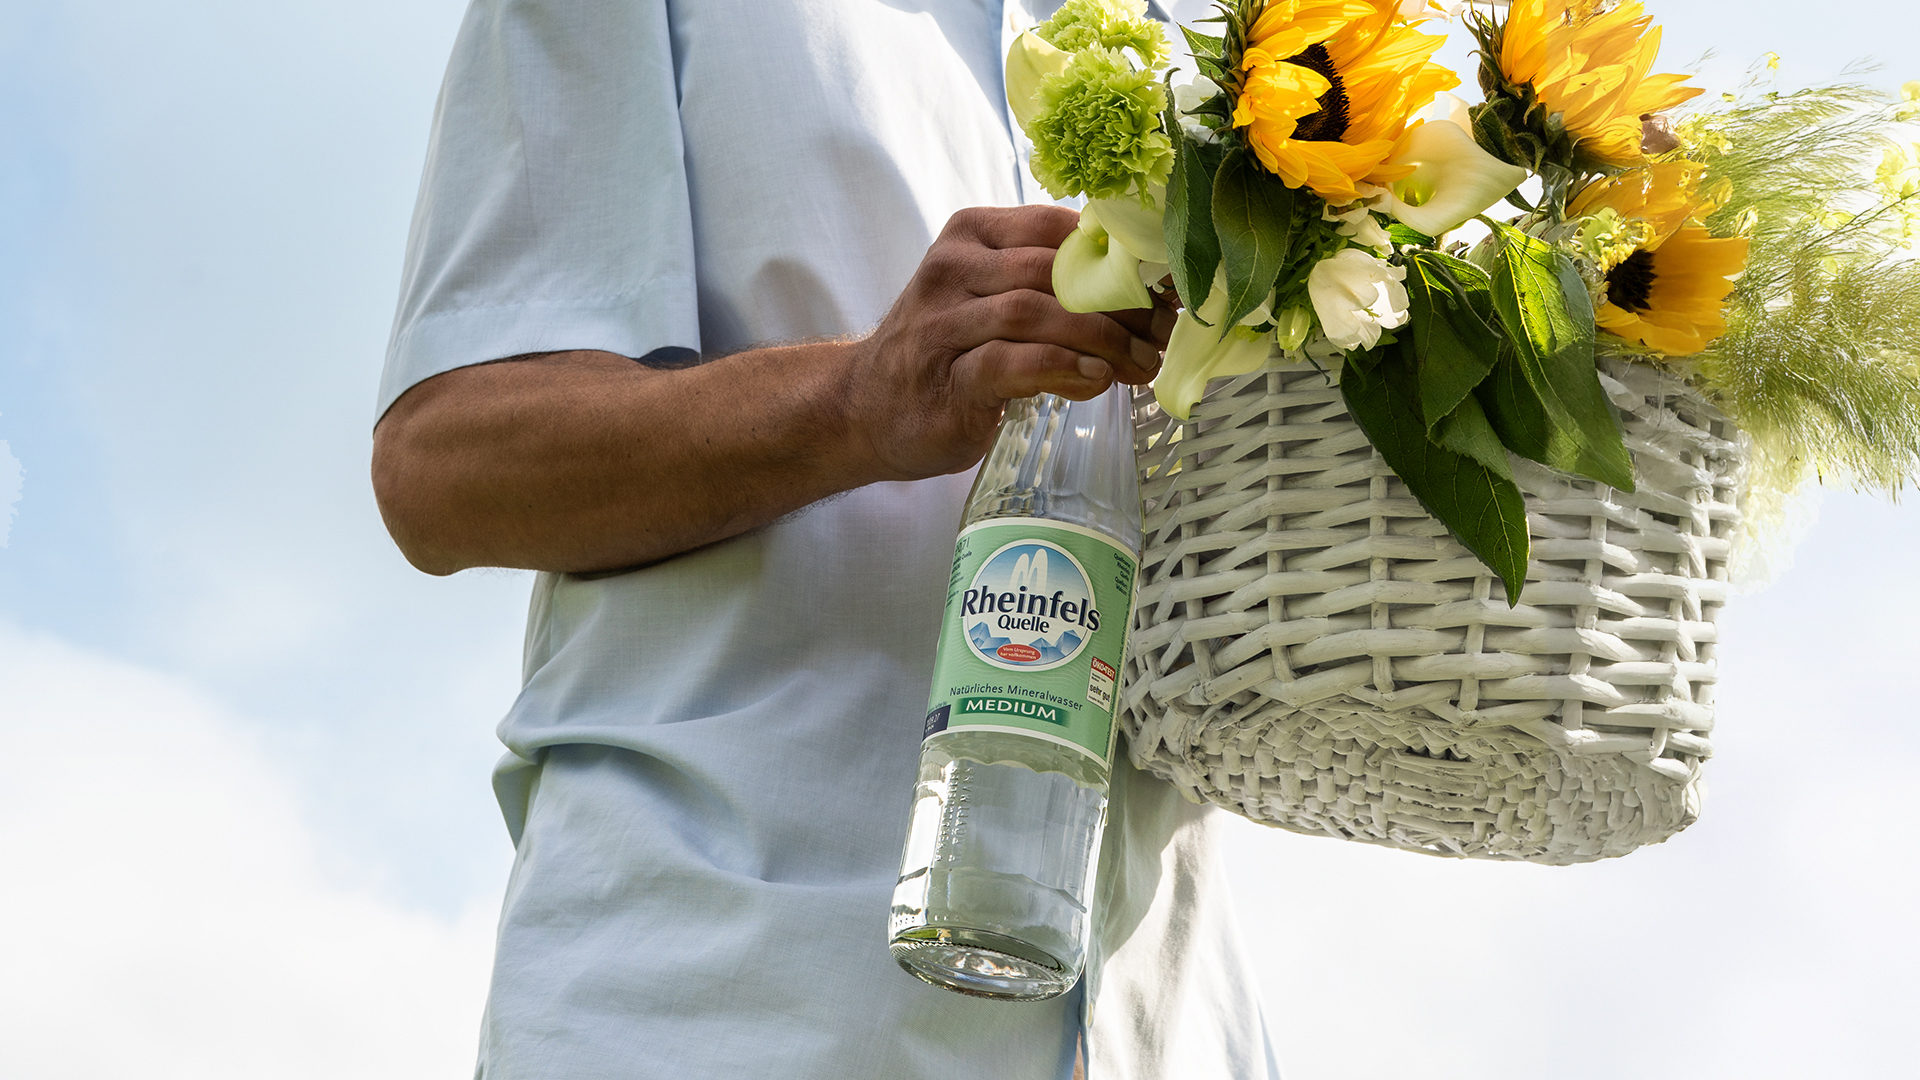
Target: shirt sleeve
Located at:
point(553, 213)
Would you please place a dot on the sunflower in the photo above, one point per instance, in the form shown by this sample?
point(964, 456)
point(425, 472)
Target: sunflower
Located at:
point(1327, 88)
point(1667, 288)
point(1588, 60)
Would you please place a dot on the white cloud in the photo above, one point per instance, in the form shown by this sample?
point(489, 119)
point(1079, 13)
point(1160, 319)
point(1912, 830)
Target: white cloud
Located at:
point(1775, 938)
point(12, 480)
point(165, 911)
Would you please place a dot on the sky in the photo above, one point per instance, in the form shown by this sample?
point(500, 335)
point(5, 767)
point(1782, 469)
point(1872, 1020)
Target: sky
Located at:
point(249, 830)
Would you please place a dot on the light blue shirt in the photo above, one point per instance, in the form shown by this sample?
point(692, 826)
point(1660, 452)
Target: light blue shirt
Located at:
point(712, 760)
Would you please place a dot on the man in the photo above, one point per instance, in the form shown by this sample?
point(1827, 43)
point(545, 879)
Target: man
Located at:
point(744, 558)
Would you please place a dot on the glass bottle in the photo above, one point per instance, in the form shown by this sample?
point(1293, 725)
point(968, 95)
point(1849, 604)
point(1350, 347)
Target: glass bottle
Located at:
point(996, 881)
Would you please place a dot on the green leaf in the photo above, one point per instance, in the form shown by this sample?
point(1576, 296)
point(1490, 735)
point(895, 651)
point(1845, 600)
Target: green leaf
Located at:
point(1408, 236)
point(1450, 329)
point(1206, 45)
point(1471, 492)
point(1253, 214)
point(1545, 309)
point(1467, 432)
point(1218, 105)
point(1191, 240)
point(1515, 411)
point(1212, 68)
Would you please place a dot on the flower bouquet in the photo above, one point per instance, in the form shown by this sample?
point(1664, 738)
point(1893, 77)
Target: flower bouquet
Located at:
point(1441, 503)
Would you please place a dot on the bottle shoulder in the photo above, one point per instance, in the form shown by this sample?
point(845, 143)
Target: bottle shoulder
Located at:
point(1065, 461)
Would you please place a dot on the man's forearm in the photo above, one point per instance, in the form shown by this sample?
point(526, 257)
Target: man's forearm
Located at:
point(589, 461)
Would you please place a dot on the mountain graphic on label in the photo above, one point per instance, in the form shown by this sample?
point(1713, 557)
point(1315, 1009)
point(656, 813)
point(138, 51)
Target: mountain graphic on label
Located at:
point(1030, 607)
point(1066, 646)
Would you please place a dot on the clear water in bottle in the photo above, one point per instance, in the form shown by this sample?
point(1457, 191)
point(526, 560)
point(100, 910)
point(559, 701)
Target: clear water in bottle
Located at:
point(996, 881)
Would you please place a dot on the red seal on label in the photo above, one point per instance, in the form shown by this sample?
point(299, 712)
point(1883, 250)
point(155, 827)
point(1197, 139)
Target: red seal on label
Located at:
point(1014, 652)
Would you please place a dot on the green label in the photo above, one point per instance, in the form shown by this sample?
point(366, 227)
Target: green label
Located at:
point(1036, 624)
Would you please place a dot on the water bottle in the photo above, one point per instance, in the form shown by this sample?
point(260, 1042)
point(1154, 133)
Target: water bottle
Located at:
point(996, 880)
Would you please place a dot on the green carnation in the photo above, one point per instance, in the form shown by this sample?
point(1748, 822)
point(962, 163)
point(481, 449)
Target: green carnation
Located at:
point(1109, 24)
point(1098, 129)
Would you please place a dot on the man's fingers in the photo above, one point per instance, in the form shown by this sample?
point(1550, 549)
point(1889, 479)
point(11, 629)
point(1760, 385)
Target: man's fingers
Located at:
point(1013, 226)
point(1153, 324)
point(992, 271)
point(1003, 370)
point(1034, 317)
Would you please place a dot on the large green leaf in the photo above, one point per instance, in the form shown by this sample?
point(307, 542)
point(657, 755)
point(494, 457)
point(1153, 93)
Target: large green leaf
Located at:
point(1466, 482)
point(1451, 329)
point(1467, 432)
point(1191, 241)
point(1253, 214)
point(1546, 311)
point(1515, 411)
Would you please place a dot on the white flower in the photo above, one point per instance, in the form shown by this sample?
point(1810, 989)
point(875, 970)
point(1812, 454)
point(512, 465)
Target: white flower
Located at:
point(1291, 327)
point(1189, 96)
point(1029, 60)
point(1119, 249)
point(1140, 227)
point(1195, 92)
point(1357, 296)
point(1358, 224)
point(1198, 353)
point(1093, 273)
point(1452, 180)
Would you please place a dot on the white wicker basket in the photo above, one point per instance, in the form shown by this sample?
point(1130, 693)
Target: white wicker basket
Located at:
point(1312, 650)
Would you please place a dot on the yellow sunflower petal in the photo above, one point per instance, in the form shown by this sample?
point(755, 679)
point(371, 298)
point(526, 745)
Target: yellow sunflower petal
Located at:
point(1672, 297)
point(1364, 57)
point(1523, 46)
point(1615, 318)
point(1670, 341)
point(1662, 194)
point(1591, 65)
point(1658, 93)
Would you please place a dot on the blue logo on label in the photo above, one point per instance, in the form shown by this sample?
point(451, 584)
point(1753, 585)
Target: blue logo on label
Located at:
point(1030, 607)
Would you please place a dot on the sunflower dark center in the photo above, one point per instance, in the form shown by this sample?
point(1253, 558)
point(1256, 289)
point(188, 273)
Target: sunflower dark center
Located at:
point(1630, 284)
point(1330, 122)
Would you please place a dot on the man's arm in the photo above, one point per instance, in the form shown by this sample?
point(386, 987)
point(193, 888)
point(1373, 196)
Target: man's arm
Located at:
point(588, 461)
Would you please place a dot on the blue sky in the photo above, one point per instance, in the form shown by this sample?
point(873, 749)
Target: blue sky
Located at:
point(253, 744)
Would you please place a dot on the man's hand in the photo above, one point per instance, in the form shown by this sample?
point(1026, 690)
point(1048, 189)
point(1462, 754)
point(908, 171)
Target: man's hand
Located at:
point(978, 326)
point(588, 461)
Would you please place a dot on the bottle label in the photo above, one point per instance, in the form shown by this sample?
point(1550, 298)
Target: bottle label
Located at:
point(1036, 625)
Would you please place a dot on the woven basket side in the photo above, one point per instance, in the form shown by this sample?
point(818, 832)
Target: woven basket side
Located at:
point(1313, 650)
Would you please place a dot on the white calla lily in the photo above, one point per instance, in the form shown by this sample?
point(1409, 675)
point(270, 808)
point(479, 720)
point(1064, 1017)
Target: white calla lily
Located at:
point(1139, 226)
point(1357, 296)
point(1029, 60)
point(1093, 273)
point(1452, 107)
point(1452, 180)
point(1198, 353)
